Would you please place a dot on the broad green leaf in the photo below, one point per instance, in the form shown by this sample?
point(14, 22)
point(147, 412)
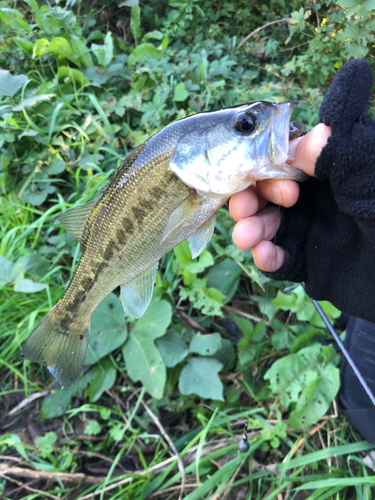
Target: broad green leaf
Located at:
point(8, 271)
point(135, 21)
point(298, 302)
point(54, 21)
point(180, 93)
point(290, 375)
point(9, 84)
point(107, 330)
point(104, 53)
point(56, 166)
point(224, 277)
point(196, 266)
point(248, 346)
point(81, 51)
point(27, 103)
point(143, 360)
point(146, 51)
point(92, 428)
point(39, 198)
point(173, 349)
point(25, 45)
point(14, 441)
point(45, 443)
point(41, 47)
point(245, 326)
point(348, 3)
point(103, 378)
point(34, 264)
point(329, 309)
point(33, 5)
point(154, 35)
point(315, 398)
point(199, 376)
point(96, 76)
point(303, 338)
point(58, 401)
point(108, 45)
point(183, 254)
point(206, 345)
point(281, 339)
point(208, 300)
point(266, 306)
point(129, 3)
point(14, 19)
point(61, 47)
point(246, 353)
point(72, 75)
point(226, 355)
point(48, 439)
point(28, 286)
point(259, 331)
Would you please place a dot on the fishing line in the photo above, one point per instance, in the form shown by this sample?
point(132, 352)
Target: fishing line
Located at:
point(343, 350)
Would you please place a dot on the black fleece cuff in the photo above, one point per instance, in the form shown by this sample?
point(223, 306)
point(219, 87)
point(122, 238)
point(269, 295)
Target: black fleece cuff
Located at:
point(347, 162)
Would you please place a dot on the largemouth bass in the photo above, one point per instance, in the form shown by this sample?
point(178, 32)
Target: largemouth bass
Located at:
point(166, 190)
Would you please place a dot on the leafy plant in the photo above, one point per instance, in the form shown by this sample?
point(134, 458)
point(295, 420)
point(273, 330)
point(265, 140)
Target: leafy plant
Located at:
point(81, 85)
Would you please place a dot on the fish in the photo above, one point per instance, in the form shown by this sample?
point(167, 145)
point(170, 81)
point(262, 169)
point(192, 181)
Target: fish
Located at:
point(167, 190)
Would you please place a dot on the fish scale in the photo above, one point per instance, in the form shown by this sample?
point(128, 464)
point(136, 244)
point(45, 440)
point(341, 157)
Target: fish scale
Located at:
point(163, 193)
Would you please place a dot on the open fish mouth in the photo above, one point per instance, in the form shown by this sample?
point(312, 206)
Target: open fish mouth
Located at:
point(222, 152)
point(279, 134)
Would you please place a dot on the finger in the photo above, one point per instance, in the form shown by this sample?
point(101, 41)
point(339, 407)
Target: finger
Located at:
point(269, 257)
point(279, 191)
point(245, 204)
point(305, 150)
point(249, 232)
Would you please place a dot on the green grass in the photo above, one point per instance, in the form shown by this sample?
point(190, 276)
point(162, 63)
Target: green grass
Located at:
point(98, 439)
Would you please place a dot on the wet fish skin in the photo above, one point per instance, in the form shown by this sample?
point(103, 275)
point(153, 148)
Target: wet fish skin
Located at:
point(123, 233)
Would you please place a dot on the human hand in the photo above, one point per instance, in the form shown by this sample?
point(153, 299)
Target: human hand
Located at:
point(257, 223)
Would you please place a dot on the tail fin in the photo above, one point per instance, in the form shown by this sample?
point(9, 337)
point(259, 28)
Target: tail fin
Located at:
point(59, 345)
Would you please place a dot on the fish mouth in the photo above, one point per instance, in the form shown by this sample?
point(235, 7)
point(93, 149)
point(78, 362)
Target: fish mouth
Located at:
point(279, 136)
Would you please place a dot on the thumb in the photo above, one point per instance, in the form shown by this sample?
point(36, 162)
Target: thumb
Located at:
point(305, 150)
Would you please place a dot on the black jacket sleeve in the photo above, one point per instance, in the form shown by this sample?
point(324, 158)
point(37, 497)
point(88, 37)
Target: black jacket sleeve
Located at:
point(330, 232)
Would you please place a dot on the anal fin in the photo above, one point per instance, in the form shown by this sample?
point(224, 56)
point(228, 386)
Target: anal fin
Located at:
point(136, 295)
point(199, 239)
point(74, 220)
point(180, 213)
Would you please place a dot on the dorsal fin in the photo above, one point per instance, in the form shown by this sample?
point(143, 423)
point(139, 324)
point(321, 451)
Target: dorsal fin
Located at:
point(74, 219)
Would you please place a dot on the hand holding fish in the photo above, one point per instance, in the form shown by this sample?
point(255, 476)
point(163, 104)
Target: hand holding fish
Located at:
point(257, 223)
point(325, 236)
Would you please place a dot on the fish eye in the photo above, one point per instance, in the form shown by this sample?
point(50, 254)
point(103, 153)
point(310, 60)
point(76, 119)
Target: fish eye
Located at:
point(245, 123)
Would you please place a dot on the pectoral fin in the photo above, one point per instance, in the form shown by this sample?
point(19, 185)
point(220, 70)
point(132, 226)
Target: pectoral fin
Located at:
point(136, 295)
point(199, 239)
point(74, 220)
point(180, 213)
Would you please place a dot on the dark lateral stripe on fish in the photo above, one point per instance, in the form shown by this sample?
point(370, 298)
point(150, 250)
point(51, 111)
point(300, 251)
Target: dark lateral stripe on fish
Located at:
point(110, 250)
point(144, 209)
point(121, 236)
point(128, 226)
